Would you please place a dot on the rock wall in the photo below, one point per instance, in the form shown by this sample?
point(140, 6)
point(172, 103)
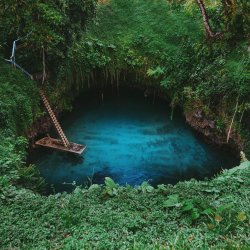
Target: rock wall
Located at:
point(207, 128)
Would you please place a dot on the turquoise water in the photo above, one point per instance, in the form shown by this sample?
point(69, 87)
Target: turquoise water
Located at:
point(131, 140)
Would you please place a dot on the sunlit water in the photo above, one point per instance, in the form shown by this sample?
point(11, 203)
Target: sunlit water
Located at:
point(130, 140)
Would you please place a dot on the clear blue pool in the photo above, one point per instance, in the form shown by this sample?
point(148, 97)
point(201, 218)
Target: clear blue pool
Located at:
point(130, 140)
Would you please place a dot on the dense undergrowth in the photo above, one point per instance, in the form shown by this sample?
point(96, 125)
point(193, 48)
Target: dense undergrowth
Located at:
point(191, 215)
point(154, 43)
point(19, 107)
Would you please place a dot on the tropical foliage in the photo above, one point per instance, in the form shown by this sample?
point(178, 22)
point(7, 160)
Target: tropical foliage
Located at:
point(52, 25)
point(191, 215)
point(163, 45)
point(199, 59)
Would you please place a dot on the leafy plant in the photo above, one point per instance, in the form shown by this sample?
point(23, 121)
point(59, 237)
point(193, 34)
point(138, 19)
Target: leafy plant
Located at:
point(145, 188)
point(111, 188)
point(172, 201)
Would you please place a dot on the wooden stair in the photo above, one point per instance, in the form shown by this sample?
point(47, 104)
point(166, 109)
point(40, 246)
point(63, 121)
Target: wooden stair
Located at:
point(54, 119)
point(63, 144)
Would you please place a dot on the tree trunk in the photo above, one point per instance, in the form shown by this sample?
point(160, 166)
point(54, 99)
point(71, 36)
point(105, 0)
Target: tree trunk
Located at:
point(229, 11)
point(208, 29)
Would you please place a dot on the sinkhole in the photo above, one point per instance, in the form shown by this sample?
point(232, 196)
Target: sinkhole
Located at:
point(131, 139)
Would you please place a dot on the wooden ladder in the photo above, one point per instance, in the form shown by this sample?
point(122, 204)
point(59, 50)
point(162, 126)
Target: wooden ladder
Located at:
point(54, 119)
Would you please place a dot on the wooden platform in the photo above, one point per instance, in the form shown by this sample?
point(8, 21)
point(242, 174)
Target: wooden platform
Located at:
point(58, 144)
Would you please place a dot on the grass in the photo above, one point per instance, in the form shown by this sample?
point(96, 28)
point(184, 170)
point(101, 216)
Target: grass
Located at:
point(191, 215)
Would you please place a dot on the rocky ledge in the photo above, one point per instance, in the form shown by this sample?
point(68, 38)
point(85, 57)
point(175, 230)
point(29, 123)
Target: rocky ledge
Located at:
point(207, 128)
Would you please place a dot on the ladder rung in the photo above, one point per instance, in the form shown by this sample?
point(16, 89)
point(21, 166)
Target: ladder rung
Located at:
point(54, 119)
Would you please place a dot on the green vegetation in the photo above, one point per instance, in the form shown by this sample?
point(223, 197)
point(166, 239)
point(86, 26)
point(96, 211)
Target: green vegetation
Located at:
point(41, 27)
point(191, 215)
point(19, 106)
point(163, 46)
point(52, 25)
point(157, 44)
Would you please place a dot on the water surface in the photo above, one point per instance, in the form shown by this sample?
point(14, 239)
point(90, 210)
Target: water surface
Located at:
point(130, 140)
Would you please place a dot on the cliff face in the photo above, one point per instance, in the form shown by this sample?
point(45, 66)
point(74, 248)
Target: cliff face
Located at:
point(196, 118)
point(207, 128)
point(40, 127)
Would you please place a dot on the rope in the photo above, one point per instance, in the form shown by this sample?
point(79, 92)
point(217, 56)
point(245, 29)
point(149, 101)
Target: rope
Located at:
point(19, 67)
point(12, 58)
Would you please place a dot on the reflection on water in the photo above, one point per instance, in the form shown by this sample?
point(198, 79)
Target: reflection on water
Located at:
point(132, 141)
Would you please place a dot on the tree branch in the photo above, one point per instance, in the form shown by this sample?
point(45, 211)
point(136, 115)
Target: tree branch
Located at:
point(208, 29)
point(230, 128)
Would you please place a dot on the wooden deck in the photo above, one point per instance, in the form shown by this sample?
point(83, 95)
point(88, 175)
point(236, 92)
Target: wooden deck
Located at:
point(58, 144)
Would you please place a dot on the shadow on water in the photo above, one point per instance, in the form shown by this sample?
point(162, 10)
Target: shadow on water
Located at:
point(130, 140)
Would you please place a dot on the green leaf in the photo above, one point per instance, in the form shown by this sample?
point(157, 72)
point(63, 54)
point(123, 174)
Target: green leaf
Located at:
point(93, 187)
point(162, 189)
point(145, 187)
point(187, 206)
point(172, 201)
point(213, 190)
point(149, 189)
point(195, 214)
point(241, 216)
point(208, 211)
point(218, 218)
point(110, 183)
